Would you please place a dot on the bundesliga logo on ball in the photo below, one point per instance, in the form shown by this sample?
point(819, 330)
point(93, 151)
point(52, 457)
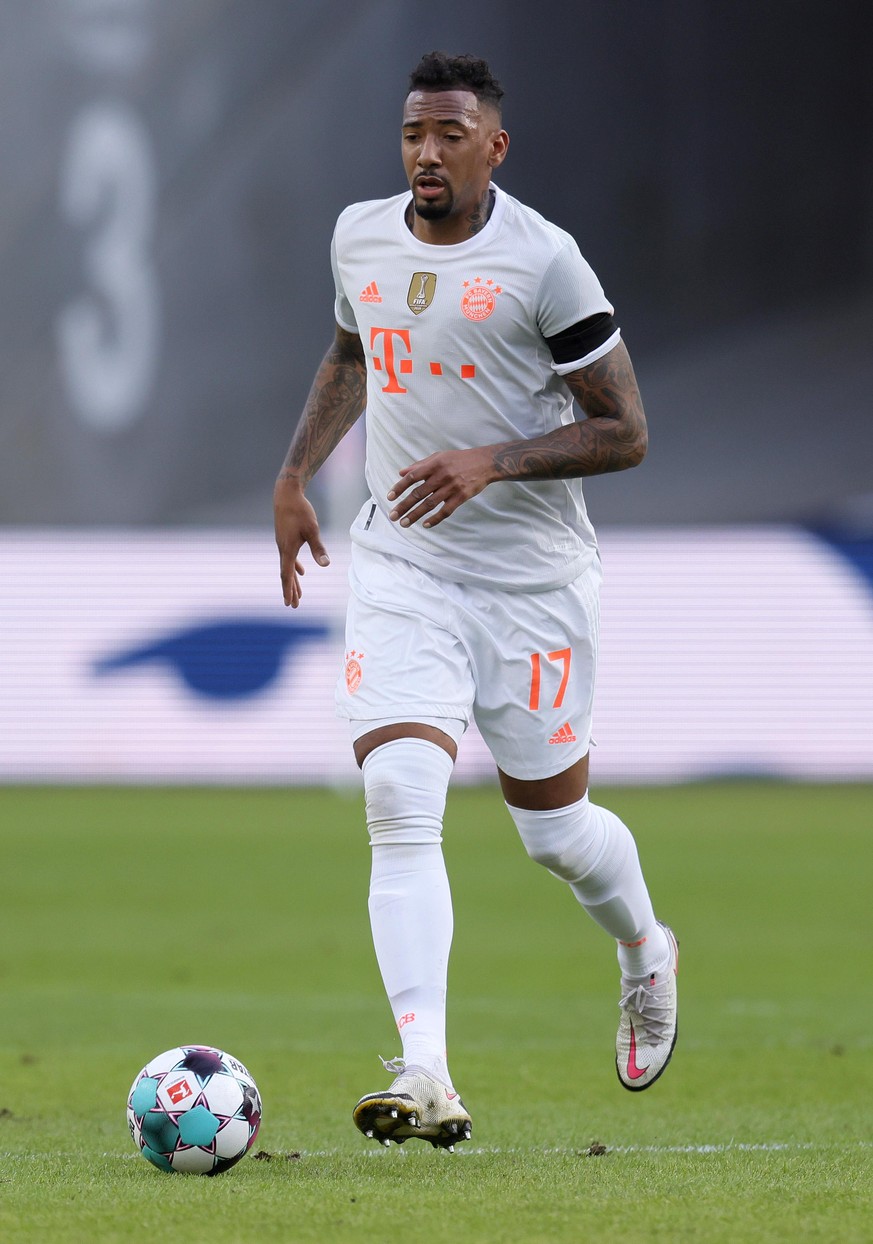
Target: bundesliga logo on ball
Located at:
point(194, 1109)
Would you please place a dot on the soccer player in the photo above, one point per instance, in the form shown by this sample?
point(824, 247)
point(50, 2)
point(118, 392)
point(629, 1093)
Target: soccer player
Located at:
point(467, 325)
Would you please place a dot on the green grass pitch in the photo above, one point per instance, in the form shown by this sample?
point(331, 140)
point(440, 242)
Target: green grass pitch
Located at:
point(135, 919)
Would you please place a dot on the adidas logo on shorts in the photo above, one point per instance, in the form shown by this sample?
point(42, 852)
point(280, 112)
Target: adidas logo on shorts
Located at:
point(564, 735)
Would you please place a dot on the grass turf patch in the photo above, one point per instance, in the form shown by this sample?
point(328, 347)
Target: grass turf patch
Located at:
point(133, 920)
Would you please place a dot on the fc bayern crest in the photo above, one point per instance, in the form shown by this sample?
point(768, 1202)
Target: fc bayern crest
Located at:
point(422, 288)
point(479, 298)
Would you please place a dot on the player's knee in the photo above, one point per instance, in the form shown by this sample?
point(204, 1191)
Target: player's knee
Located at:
point(405, 785)
point(560, 860)
point(563, 840)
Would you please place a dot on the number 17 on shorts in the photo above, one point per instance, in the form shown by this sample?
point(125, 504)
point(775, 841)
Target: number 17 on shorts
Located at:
point(564, 655)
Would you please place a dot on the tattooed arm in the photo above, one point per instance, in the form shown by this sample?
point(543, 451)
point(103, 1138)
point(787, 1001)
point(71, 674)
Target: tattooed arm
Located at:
point(612, 437)
point(335, 403)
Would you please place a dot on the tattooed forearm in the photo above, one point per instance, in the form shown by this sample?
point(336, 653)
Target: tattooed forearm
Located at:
point(335, 403)
point(612, 438)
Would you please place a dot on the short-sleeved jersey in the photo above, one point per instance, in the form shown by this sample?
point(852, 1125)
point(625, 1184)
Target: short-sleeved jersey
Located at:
point(454, 339)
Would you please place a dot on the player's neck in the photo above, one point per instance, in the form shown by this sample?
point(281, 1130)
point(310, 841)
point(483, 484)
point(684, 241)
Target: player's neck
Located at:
point(450, 231)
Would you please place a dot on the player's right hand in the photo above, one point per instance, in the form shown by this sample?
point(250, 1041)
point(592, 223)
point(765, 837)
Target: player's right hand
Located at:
point(296, 524)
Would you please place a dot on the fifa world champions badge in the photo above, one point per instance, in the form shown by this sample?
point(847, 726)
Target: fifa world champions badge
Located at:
point(422, 288)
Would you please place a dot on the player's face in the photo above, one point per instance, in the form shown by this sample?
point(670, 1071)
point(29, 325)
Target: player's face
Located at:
point(451, 145)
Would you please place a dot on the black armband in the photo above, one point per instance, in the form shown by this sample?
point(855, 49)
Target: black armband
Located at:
point(579, 340)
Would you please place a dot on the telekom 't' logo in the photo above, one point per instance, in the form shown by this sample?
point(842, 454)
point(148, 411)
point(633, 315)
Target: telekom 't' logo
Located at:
point(387, 361)
point(393, 363)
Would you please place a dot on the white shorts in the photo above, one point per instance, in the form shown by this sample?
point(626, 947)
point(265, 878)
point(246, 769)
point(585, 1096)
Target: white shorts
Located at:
point(522, 666)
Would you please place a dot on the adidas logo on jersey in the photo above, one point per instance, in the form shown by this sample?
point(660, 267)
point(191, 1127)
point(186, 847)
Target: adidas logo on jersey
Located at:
point(564, 735)
point(371, 293)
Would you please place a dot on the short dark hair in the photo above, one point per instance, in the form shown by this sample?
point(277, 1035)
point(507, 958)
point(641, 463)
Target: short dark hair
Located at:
point(436, 71)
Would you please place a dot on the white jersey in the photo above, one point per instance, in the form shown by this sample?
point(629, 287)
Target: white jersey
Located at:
point(454, 341)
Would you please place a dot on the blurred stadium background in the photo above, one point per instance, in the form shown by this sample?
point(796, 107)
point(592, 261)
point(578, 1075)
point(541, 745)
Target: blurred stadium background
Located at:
point(172, 173)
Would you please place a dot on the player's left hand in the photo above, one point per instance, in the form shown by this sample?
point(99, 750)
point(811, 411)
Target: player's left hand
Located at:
point(432, 489)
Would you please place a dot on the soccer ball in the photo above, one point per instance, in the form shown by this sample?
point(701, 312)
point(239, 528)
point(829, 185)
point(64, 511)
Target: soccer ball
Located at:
point(194, 1109)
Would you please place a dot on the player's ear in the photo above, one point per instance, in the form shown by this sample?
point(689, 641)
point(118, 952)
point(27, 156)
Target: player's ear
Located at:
point(499, 148)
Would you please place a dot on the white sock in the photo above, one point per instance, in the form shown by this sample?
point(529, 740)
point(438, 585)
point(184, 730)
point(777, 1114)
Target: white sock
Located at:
point(594, 852)
point(410, 902)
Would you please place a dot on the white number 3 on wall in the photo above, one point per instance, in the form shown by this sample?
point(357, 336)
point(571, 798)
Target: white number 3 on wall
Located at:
point(108, 337)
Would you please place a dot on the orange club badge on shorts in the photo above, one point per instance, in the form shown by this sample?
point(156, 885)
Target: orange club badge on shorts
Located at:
point(354, 672)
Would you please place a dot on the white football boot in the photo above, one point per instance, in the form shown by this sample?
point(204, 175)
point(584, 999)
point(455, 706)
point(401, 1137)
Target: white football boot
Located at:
point(415, 1105)
point(647, 1030)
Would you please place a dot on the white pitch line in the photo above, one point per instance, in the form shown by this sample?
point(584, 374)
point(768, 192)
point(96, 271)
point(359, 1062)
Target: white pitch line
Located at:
point(726, 1147)
point(731, 1146)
